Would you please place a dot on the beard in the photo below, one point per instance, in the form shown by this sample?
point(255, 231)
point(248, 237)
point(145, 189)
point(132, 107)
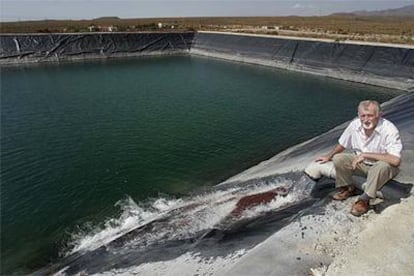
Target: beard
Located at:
point(368, 125)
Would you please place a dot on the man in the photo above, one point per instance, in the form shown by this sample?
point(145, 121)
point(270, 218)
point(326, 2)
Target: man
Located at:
point(376, 147)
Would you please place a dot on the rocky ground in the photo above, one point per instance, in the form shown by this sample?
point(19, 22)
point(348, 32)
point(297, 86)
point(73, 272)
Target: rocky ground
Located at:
point(375, 244)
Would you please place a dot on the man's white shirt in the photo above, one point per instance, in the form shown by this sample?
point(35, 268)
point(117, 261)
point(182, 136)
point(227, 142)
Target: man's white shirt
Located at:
point(384, 139)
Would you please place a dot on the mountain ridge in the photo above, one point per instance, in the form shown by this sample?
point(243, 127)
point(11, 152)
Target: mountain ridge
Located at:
point(405, 11)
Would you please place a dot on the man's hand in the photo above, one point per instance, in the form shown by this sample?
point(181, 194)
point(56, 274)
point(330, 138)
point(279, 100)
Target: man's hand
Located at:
point(358, 159)
point(323, 159)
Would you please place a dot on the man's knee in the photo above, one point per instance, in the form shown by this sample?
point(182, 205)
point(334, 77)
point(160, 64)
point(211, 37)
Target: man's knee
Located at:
point(316, 170)
point(340, 159)
point(381, 165)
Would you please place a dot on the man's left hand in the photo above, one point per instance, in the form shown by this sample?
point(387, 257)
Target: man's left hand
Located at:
point(358, 159)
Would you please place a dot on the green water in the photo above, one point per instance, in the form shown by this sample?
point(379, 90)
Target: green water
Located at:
point(77, 138)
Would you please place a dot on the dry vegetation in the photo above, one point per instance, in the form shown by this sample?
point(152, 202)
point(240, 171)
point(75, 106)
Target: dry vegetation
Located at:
point(346, 27)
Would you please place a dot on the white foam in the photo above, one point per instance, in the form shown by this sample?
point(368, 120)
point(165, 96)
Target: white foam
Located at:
point(131, 217)
point(277, 202)
point(193, 215)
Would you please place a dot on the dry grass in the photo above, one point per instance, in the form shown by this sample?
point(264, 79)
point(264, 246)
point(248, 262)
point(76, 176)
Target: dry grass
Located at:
point(375, 29)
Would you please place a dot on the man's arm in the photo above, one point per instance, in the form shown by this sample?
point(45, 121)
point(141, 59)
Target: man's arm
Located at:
point(325, 158)
point(386, 157)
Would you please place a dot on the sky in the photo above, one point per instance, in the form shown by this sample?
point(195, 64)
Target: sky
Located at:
point(20, 10)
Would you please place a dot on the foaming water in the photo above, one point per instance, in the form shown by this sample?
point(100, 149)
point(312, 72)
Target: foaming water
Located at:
point(172, 229)
point(163, 220)
point(132, 216)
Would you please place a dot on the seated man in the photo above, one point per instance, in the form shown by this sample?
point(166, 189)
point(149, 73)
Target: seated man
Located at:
point(376, 147)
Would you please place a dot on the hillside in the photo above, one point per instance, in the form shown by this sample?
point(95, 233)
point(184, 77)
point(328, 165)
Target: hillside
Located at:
point(406, 11)
point(386, 29)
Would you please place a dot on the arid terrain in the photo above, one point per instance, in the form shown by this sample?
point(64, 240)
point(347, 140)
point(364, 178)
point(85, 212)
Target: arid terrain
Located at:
point(385, 29)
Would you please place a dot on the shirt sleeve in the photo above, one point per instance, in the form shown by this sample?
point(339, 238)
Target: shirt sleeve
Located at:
point(346, 138)
point(393, 143)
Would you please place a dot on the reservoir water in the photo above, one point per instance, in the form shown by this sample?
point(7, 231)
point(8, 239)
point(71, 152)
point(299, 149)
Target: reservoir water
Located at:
point(79, 139)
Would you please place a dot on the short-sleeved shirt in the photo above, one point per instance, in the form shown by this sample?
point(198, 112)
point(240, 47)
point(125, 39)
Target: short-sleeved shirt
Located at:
point(384, 139)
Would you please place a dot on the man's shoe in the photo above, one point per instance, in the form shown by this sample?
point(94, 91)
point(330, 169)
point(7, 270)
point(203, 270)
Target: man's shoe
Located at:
point(360, 207)
point(344, 193)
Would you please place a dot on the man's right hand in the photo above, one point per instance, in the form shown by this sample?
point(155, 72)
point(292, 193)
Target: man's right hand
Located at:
point(323, 159)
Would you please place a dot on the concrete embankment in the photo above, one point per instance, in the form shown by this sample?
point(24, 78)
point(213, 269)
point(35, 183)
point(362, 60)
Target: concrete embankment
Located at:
point(382, 65)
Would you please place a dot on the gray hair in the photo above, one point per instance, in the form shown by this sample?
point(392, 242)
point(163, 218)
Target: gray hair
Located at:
point(366, 103)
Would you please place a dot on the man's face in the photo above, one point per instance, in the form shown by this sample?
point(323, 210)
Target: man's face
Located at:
point(369, 116)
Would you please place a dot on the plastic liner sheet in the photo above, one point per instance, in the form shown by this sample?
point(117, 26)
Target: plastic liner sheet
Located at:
point(18, 48)
point(378, 65)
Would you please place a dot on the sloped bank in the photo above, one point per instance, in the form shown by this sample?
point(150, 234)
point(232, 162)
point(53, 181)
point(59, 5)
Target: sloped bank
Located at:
point(37, 48)
point(388, 66)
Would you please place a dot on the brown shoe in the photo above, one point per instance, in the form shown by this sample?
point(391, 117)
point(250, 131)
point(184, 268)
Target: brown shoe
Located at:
point(344, 193)
point(360, 207)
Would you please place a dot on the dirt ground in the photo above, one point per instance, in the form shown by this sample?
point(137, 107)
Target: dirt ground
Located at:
point(377, 244)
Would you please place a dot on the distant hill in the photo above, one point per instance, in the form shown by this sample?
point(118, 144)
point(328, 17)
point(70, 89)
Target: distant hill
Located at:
point(108, 18)
point(407, 11)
